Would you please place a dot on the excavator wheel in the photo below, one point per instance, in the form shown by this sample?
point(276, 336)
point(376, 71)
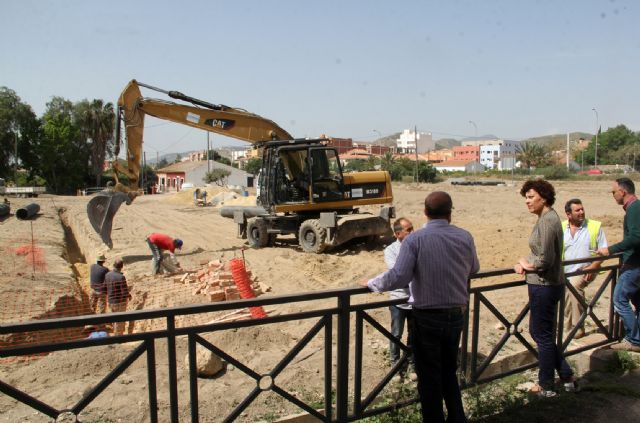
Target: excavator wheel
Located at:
point(312, 236)
point(257, 233)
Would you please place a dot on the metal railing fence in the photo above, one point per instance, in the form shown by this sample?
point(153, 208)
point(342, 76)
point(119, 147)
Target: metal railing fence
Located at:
point(342, 406)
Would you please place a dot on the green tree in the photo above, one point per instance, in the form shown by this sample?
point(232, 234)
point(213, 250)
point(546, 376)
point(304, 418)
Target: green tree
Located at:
point(371, 163)
point(613, 146)
point(19, 126)
point(62, 153)
point(426, 172)
point(396, 171)
point(178, 158)
point(531, 154)
point(162, 163)
point(150, 177)
point(253, 165)
point(96, 121)
point(357, 165)
point(217, 176)
point(216, 157)
point(387, 161)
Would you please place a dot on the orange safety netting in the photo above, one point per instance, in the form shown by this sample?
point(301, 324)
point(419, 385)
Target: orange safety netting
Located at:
point(241, 278)
point(33, 256)
point(27, 302)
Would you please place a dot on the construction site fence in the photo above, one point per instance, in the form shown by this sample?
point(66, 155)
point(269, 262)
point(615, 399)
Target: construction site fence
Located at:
point(349, 319)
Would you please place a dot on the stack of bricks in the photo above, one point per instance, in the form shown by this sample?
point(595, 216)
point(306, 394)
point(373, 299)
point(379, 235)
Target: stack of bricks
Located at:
point(215, 281)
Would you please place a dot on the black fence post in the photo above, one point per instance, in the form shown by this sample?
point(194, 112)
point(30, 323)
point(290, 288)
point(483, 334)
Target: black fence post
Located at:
point(173, 373)
point(151, 378)
point(342, 372)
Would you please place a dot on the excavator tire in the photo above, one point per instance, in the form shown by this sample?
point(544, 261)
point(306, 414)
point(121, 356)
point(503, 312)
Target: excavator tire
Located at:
point(312, 236)
point(257, 233)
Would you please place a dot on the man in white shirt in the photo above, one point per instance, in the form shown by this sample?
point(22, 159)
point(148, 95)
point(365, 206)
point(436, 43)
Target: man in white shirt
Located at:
point(399, 313)
point(582, 238)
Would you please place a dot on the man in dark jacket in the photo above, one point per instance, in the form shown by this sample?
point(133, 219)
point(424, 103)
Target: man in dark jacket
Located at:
point(117, 293)
point(627, 290)
point(98, 297)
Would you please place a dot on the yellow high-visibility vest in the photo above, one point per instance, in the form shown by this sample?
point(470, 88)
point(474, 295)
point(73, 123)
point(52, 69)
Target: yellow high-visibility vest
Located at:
point(593, 226)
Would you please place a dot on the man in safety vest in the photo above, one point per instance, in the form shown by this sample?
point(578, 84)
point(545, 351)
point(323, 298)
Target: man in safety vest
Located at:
point(582, 238)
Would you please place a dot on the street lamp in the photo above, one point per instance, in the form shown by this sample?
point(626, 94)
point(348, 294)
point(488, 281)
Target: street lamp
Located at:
point(595, 161)
point(475, 127)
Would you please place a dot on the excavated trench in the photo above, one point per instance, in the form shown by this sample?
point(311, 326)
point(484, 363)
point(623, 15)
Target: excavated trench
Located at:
point(76, 258)
point(63, 300)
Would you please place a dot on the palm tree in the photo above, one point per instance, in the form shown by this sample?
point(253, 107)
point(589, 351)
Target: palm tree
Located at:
point(531, 154)
point(96, 121)
point(387, 161)
point(372, 162)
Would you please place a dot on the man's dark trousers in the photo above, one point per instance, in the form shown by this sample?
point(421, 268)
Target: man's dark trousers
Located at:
point(435, 343)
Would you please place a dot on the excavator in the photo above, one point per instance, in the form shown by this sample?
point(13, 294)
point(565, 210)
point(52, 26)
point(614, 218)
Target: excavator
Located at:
point(301, 188)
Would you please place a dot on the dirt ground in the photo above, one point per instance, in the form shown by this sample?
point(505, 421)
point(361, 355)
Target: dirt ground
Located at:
point(495, 215)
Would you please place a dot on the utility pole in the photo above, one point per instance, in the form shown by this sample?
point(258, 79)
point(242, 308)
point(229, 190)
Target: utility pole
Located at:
point(15, 159)
point(415, 139)
point(595, 161)
point(568, 146)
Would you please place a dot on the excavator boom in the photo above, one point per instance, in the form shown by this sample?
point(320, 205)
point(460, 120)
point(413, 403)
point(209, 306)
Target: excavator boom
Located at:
point(132, 108)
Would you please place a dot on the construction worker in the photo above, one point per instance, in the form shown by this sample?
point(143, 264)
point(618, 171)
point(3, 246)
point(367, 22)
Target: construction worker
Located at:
point(157, 244)
point(98, 297)
point(117, 293)
point(582, 238)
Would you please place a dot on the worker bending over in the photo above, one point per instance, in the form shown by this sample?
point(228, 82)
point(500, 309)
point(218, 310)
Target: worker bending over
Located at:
point(157, 244)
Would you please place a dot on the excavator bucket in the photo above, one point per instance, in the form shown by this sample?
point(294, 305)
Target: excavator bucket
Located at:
point(101, 210)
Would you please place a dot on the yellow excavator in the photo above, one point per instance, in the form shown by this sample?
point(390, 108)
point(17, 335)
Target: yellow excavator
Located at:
point(301, 188)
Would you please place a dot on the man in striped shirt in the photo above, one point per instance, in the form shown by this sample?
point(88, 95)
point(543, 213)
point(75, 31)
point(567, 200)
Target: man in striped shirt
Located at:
point(438, 260)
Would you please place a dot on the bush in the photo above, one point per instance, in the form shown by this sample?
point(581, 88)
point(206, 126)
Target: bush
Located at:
point(217, 176)
point(555, 172)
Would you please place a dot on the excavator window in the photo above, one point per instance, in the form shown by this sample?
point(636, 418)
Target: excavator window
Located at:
point(292, 176)
point(326, 175)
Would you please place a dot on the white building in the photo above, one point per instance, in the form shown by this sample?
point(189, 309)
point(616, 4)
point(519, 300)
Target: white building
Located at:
point(407, 142)
point(470, 166)
point(494, 150)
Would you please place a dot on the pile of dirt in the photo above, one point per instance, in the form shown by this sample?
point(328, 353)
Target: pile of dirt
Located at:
point(186, 196)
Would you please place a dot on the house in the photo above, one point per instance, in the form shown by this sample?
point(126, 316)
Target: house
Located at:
point(464, 152)
point(171, 178)
point(355, 154)
point(459, 166)
point(494, 153)
point(408, 138)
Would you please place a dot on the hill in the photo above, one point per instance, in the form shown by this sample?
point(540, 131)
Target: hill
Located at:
point(558, 141)
point(446, 143)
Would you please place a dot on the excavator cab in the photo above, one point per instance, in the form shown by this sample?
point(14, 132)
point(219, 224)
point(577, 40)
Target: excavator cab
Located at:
point(326, 175)
point(300, 172)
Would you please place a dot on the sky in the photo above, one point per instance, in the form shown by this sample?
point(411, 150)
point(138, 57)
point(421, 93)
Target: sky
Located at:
point(347, 69)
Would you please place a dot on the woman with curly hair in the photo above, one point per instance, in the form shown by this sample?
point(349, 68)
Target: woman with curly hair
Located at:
point(545, 281)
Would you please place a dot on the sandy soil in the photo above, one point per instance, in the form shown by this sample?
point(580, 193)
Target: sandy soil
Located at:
point(40, 286)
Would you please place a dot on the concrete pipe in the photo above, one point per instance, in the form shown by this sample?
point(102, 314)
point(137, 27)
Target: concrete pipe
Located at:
point(5, 209)
point(249, 211)
point(27, 211)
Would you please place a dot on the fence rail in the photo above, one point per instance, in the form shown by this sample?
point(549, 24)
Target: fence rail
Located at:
point(339, 408)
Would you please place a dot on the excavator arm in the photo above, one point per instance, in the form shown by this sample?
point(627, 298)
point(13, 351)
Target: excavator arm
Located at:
point(132, 109)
